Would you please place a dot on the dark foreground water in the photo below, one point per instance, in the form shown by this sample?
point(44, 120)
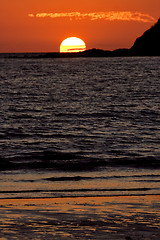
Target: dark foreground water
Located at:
point(79, 127)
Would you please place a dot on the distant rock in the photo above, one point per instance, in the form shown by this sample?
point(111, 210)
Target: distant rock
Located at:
point(94, 52)
point(149, 43)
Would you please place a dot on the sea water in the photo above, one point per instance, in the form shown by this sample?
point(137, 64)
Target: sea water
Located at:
point(79, 127)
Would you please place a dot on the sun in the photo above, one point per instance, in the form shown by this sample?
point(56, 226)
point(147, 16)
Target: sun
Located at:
point(72, 44)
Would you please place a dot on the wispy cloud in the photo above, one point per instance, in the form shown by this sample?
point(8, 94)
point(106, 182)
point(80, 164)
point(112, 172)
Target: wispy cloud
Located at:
point(108, 16)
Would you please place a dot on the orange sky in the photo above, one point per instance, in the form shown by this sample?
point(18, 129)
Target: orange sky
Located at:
point(41, 25)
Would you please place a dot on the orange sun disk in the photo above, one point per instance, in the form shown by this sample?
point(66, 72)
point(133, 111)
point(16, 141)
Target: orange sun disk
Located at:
point(72, 44)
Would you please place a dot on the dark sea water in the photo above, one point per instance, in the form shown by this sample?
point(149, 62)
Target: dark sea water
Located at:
point(79, 127)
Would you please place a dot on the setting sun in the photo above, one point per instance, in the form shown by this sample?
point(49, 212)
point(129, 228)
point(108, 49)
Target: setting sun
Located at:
point(72, 44)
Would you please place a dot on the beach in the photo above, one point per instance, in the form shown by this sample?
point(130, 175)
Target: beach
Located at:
point(119, 217)
point(79, 148)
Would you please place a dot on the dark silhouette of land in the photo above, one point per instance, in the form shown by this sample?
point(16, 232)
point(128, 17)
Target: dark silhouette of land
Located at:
point(146, 45)
point(149, 43)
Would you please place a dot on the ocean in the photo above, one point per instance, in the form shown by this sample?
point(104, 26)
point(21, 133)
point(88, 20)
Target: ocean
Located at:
point(79, 127)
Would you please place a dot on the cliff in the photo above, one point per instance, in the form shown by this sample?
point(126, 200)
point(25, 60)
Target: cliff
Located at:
point(149, 43)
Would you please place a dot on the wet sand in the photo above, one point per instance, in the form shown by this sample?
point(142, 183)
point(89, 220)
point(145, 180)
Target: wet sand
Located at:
point(127, 217)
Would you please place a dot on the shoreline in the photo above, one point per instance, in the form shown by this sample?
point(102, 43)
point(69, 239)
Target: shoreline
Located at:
point(100, 199)
point(137, 217)
point(83, 196)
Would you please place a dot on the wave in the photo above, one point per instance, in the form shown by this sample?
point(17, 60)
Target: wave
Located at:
point(87, 115)
point(120, 114)
point(61, 179)
point(74, 161)
point(81, 178)
point(51, 160)
point(83, 190)
point(137, 161)
point(73, 193)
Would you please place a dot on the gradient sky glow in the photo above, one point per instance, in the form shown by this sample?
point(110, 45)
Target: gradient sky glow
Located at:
point(41, 25)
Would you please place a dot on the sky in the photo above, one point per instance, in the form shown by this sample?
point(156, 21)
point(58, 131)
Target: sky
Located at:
point(41, 25)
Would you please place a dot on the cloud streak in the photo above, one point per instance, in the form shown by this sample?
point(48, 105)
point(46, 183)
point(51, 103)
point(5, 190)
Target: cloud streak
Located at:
point(107, 16)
